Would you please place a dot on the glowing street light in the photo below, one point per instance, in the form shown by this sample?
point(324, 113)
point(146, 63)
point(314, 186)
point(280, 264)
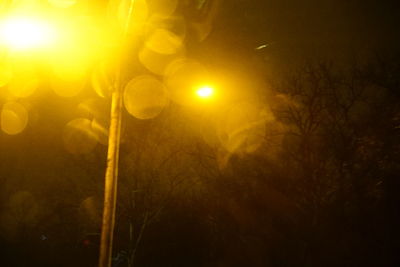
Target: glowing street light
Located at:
point(24, 33)
point(205, 92)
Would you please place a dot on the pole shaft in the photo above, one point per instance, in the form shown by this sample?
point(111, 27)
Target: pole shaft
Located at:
point(111, 178)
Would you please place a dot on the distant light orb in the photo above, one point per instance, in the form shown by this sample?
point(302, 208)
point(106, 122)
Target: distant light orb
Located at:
point(205, 92)
point(20, 33)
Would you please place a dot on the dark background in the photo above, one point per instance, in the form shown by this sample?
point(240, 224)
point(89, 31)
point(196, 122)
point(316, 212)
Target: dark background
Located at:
point(322, 190)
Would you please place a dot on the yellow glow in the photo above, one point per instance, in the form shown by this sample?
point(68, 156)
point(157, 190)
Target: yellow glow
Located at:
point(13, 118)
point(6, 74)
point(79, 137)
point(205, 92)
point(22, 33)
point(24, 85)
point(62, 3)
point(145, 97)
point(184, 78)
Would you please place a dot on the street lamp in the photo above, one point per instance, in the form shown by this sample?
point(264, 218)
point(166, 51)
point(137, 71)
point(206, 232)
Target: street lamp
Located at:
point(205, 92)
point(24, 33)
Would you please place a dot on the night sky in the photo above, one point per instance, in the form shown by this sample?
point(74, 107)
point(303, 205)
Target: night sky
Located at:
point(320, 84)
point(294, 30)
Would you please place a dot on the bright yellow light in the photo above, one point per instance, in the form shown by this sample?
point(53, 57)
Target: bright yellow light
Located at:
point(23, 33)
point(205, 92)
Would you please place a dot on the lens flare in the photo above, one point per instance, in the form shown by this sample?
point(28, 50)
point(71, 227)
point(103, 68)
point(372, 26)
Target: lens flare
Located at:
point(78, 136)
point(13, 118)
point(23, 33)
point(145, 97)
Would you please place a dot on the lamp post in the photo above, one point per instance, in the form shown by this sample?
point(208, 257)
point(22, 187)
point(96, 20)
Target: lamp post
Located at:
point(23, 34)
point(111, 175)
